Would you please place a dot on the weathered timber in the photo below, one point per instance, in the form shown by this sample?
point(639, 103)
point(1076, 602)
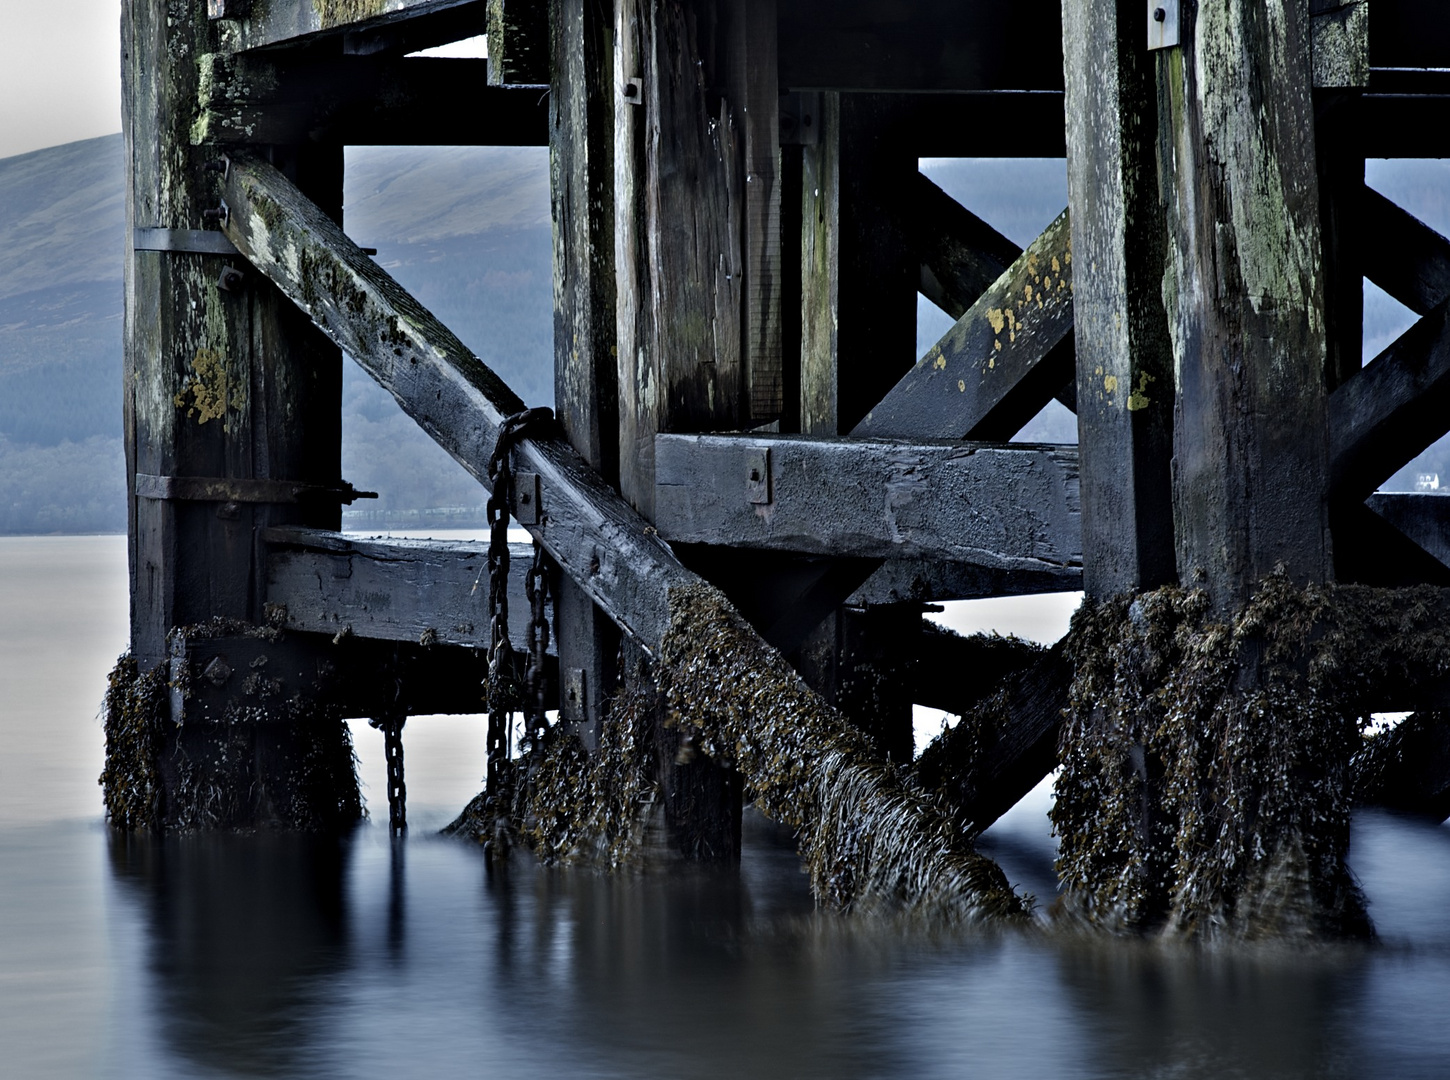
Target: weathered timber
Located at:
point(956, 672)
point(1370, 549)
point(1407, 769)
point(1003, 747)
point(1423, 517)
point(1005, 507)
point(265, 99)
point(862, 340)
point(1124, 368)
point(1408, 259)
point(679, 261)
point(1245, 299)
point(518, 42)
point(749, 78)
point(961, 255)
point(1002, 360)
point(428, 591)
point(1394, 408)
point(899, 581)
point(921, 45)
point(586, 380)
point(586, 528)
point(359, 26)
point(1403, 125)
point(219, 385)
point(1339, 41)
point(1340, 161)
point(1409, 34)
point(226, 386)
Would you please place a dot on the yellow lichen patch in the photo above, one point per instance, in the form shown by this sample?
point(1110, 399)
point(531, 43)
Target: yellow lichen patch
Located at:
point(1056, 266)
point(961, 386)
point(1139, 399)
point(1027, 291)
point(940, 362)
point(206, 387)
point(1110, 383)
point(997, 318)
point(997, 344)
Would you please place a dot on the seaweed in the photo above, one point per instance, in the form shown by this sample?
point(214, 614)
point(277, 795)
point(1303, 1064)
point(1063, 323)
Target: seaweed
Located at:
point(1206, 785)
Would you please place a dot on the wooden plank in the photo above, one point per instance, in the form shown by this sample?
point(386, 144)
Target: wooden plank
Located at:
point(1370, 550)
point(1394, 408)
point(428, 591)
point(1124, 362)
point(1244, 298)
point(989, 505)
point(1341, 203)
point(899, 581)
point(680, 264)
point(982, 773)
point(586, 381)
point(961, 255)
point(1406, 258)
point(265, 99)
point(920, 45)
point(1423, 517)
point(585, 526)
point(1002, 360)
point(361, 25)
point(518, 43)
point(1404, 125)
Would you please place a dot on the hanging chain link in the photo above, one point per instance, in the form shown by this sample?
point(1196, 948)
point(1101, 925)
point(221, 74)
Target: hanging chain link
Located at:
point(504, 696)
point(536, 588)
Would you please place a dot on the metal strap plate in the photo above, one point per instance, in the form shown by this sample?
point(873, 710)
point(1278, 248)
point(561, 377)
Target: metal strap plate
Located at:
point(193, 241)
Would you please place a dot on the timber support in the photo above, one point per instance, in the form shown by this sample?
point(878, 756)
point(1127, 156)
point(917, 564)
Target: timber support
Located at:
point(751, 487)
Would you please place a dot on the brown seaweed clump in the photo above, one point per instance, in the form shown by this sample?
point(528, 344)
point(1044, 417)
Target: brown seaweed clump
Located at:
point(134, 708)
point(869, 841)
point(1206, 787)
point(573, 807)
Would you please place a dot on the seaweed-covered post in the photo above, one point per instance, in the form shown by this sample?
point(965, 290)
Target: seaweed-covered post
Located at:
point(1205, 787)
point(228, 390)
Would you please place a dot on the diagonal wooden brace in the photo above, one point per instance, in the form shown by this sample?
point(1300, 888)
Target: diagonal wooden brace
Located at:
point(588, 529)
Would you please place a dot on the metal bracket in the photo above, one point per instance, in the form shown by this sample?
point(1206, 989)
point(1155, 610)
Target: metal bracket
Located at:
point(1163, 24)
point(190, 241)
point(574, 703)
point(240, 490)
point(757, 476)
point(527, 496)
point(800, 118)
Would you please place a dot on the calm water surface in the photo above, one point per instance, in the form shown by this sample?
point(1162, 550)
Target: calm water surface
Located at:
point(279, 956)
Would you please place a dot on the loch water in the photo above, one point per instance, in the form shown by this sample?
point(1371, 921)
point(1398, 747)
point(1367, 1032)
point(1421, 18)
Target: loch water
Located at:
point(268, 956)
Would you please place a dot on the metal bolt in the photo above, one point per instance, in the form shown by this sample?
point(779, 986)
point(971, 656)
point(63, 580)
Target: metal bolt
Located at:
point(230, 280)
point(1159, 15)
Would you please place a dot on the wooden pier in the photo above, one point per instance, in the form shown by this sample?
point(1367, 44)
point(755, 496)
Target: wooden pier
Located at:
point(740, 236)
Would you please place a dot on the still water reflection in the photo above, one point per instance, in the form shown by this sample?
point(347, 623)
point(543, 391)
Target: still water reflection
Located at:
point(361, 957)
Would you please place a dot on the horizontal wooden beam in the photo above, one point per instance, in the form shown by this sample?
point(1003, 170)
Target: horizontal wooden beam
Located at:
point(428, 591)
point(1404, 256)
point(1003, 507)
point(594, 536)
point(366, 27)
point(899, 581)
point(1371, 550)
point(920, 45)
point(1385, 414)
point(1002, 361)
point(364, 101)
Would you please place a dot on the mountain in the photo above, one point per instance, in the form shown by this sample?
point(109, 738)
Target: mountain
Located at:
point(466, 230)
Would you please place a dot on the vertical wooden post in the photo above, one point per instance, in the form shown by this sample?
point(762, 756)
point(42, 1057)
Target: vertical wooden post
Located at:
point(1245, 298)
point(1124, 356)
point(586, 379)
point(680, 264)
point(858, 316)
point(226, 382)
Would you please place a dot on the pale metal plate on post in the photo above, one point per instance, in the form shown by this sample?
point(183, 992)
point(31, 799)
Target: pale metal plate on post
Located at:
point(1163, 24)
point(757, 476)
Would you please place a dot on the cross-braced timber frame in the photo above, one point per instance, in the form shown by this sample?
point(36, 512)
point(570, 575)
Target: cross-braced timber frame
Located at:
point(740, 235)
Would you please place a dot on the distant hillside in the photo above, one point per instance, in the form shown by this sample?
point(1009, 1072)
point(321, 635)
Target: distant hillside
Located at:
point(467, 231)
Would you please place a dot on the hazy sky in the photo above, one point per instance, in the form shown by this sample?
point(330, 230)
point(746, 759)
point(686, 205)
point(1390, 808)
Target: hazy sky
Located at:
point(60, 64)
